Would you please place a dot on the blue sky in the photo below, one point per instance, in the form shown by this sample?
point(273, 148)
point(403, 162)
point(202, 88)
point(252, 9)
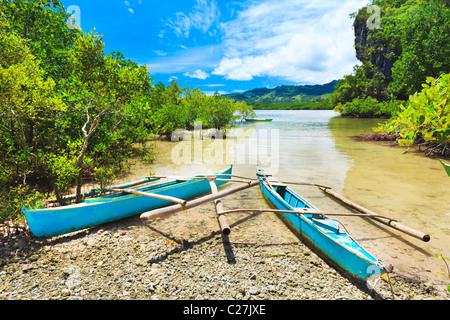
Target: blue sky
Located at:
point(229, 46)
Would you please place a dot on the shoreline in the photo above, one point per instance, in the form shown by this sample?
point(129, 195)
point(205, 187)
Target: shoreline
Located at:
point(185, 257)
point(421, 147)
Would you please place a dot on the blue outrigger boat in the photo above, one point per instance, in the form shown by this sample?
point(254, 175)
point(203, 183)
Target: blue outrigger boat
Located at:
point(55, 221)
point(325, 235)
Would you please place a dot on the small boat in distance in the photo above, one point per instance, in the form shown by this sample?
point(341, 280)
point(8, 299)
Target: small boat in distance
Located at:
point(328, 237)
point(258, 120)
point(55, 221)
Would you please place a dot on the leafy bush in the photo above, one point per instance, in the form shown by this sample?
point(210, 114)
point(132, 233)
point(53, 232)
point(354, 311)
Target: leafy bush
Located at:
point(426, 115)
point(14, 198)
point(179, 108)
point(364, 82)
point(446, 271)
point(70, 112)
point(368, 108)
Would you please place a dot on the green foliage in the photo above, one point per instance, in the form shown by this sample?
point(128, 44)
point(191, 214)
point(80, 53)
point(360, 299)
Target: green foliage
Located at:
point(12, 200)
point(69, 113)
point(60, 170)
point(218, 113)
point(244, 111)
point(27, 101)
point(148, 154)
point(170, 117)
point(364, 82)
point(368, 108)
point(42, 24)
point(104, 175)
point(67, 110)
point(101, 93)
point(426, 115)
point(423, 37)
point(310, 105)
point(446, 271)
point(170, 114)
point(180, 108)
point(411, 45)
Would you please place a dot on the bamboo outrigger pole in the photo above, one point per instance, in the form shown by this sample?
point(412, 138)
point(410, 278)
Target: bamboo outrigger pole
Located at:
point(223, 223)
point(151, 195)
point(235, 178)
point(261, 210)
point(210, 178)
point(162, 212)
point(391, 223)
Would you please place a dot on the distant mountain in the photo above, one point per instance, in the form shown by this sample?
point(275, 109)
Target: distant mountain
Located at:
point(285, 94)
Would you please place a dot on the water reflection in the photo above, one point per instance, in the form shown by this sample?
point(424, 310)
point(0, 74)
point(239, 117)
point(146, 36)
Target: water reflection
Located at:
point(408, 187)
point(307, 149)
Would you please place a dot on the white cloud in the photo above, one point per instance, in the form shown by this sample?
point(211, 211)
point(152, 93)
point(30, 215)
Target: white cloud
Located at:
point(198, 74)
point(184, 60)
point(129, 5)
point(203, 16)
point(212, 85)
point(211, 93)
point(299, 40)
point(160, 53)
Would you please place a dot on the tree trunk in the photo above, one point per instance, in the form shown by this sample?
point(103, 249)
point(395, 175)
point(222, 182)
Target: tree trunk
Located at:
point(80, 160)
point(78, 197)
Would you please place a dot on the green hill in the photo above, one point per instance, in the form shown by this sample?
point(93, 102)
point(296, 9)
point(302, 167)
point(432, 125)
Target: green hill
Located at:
point(286, 95)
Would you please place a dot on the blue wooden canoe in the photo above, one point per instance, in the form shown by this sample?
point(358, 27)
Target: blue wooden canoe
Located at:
point(324, 235)
point(49, 222)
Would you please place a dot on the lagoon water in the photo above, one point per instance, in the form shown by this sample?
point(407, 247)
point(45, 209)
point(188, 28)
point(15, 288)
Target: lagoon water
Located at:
point(319, 147)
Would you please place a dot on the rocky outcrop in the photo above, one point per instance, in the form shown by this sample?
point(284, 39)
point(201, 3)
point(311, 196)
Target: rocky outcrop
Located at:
point(367, 49)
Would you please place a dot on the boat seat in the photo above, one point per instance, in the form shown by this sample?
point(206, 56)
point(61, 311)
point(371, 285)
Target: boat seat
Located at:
point(278, 184)
point(329, 226)
point(275, 183)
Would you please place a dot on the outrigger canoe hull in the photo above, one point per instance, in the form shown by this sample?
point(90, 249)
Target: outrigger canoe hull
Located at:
point(324, 235)
point(50, 222)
